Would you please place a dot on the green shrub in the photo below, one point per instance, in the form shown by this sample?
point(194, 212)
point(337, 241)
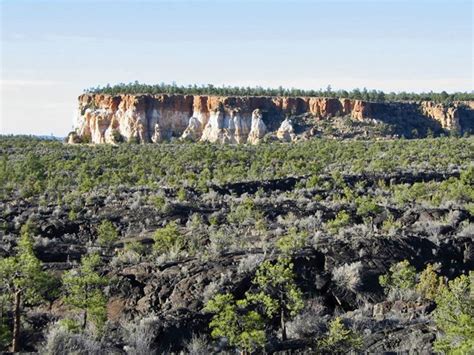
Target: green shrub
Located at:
point(135, 246)
point(159, 202)
point(181, 194)
point(341, 220)
point(339, 339)
point(70, 325)
point(400, 276)
point(454, 316)
point(292, 242)
point(168, 239)
point(390, 223)
point(430, 284)
point(72, 215)
point(107, 234)
point(312, 182)
point(467, 176)
point(243, 213)
point(242, 328)
point(366, 206)
point(277, 292)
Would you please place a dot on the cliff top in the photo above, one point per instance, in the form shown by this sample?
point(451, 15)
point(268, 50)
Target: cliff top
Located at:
point(358, 94)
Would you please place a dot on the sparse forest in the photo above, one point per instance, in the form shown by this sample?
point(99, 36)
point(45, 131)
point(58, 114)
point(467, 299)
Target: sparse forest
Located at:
point(358, 94)
point(322, 246)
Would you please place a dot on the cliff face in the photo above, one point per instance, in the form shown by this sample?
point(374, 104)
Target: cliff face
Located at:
point(156, 118)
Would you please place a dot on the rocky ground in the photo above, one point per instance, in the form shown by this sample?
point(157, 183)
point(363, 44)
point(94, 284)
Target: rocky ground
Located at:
point(156, 300)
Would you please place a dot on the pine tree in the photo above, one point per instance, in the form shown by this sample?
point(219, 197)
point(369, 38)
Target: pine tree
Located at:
point(107, 234)
point(454, 316)
point(339, 339)
point(277, 294)
point(83, 289)
point(22, 281)
point(241, 327)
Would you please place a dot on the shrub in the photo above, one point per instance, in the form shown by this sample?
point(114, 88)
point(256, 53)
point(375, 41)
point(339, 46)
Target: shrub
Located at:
point(72, 215)
point(400, 276)
point(454, 316)
point(243, 329)
point(430, 284)
point(243, 213)
point(181, 194)
point(467, 176)
point(348, 276)
point(168, 238)
point(390, 224)
point(249, 263)
point(308, 323)
point(366, 206)
point(60, 340)
point(140, 336)
point(125, 257)
point(277, 292)
point(312, 182)
point(107, 234)
point(136, 247)
point(83, 288)
point(292, 242)
point(159, 202)
point(198, 345)
point(341, 220)
point(339, 339)
point(71, 325)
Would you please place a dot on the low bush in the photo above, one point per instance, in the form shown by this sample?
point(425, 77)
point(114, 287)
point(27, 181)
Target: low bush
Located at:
point(341, 220)
point(454, 316)
point(348, 276)
point(400, 276)
point(107, 234)
point(339, 339)
point(168, 239)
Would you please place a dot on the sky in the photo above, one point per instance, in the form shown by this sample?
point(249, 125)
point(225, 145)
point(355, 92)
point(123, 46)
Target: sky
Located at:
point(51, 50)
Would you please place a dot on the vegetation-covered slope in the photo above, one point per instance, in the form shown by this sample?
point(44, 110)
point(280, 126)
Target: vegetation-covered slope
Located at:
point(204, 248)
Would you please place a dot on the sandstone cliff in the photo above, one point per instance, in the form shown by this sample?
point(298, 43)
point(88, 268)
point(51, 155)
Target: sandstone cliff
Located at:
point(157, 118)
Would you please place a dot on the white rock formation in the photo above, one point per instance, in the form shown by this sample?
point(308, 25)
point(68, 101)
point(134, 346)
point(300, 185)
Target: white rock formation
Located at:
point(213, 130)
point(286, 131)
point(241, 126)
point(257, 129)
point(226, 126)
point(158, 135)
point(194, 130)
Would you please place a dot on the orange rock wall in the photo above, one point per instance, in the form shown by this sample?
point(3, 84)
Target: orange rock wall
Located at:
point(154, 118)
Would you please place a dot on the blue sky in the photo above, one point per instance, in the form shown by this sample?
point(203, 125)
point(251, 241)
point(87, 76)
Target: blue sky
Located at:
point(51, 50)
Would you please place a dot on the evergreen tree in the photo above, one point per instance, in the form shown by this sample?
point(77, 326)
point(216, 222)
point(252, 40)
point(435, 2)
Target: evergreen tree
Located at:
point(339, 339)
point(83, 288)
point(22, 282)
point(107, 234)
point(454, 316)
point(242, 328)
point(277, 294)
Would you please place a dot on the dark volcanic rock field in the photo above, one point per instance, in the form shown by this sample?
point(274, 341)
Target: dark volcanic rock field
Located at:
point(347, 228)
